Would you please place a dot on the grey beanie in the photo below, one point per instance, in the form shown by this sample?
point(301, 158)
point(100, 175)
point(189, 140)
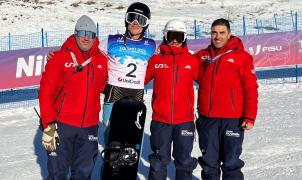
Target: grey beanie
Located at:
point(85, 23)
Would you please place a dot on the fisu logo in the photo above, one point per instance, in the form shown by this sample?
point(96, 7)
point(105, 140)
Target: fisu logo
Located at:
point(264, 49)
point(300, 49)
point(300, 44)
point(252, 52)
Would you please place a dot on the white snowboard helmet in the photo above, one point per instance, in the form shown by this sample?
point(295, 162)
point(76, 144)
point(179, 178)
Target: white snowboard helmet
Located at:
point(175, 25)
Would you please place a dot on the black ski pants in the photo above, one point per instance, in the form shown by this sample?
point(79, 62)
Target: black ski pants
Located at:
point(162, 136)
point(220, 141)
point(77, 152)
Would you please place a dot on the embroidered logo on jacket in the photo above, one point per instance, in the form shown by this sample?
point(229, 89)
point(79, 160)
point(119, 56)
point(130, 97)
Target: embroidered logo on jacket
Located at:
point(187, 67)
point(159, 66)
point(231, 60)
point(70, 64)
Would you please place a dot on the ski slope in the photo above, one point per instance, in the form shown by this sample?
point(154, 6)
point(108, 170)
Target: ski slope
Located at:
point(29, 16)
point(271, 151)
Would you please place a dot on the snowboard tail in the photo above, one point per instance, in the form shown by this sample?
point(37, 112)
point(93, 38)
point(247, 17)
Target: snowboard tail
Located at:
point(122, 153)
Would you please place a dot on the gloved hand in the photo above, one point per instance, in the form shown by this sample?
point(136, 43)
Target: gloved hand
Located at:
point(50, 137)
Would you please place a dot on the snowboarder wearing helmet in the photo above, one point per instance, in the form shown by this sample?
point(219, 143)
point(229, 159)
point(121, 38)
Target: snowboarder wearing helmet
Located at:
point(128, 55)
point(173, 71)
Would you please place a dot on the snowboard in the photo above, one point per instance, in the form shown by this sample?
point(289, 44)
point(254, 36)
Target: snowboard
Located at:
point(122, 153)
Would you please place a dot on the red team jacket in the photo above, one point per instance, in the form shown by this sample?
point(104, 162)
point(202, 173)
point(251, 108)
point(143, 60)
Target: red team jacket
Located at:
point(173, 71)
point(73, 99)
point(228, 86)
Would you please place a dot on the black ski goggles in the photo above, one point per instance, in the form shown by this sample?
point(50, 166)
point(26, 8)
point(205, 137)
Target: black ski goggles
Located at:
point(91, 35)
point(142, 20)
point(180, 37)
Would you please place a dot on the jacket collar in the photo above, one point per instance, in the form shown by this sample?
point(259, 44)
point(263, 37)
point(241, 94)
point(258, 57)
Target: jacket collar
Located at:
point(172, 50)
point(234, 43)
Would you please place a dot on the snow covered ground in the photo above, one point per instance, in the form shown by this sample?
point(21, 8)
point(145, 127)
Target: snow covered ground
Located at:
point(272, 150)
point(28, 16)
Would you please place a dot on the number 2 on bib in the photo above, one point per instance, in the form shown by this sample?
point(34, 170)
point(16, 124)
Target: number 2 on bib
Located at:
point(130, 74)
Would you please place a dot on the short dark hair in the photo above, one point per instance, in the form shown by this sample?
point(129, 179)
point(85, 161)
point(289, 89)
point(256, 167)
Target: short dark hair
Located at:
point(222, 22)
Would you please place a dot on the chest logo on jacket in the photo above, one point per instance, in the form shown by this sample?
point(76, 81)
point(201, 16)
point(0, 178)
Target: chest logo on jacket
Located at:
point(161, 66)
point(231, 60)
point(70, 64)
point(188, 67)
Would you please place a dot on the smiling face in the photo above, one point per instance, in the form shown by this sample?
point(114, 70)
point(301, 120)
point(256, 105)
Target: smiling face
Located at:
point(220, 35)
point(84, 43)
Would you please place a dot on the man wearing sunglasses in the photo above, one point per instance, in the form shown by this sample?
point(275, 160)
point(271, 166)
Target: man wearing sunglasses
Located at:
point(128, 56)
point(173, 71)
point(69, 98)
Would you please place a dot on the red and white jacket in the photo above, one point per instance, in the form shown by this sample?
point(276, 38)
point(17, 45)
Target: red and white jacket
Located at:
point(68, 97)
point(173, 72)
point(228, 85)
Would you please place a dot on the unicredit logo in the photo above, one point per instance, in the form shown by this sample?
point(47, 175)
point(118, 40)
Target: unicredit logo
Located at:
point(130, 81)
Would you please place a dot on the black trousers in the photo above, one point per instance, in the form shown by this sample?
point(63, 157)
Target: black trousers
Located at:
point(77, 152)
point(162, 136)
point(220, 141)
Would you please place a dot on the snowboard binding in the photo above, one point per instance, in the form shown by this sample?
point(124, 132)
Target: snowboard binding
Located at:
point(119, 156)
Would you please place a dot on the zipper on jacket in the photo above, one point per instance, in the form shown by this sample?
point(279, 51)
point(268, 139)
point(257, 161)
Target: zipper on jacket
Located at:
point(172, 97)
point(218, 63)
point(62, 102)
point(190, 103)
point(92, 76)
point(177, 69)
point(212, 79)
point(86, 99)
point(232, 98)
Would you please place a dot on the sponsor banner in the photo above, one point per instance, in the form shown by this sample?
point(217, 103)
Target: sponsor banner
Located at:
point(273, 49)
point(20, 68)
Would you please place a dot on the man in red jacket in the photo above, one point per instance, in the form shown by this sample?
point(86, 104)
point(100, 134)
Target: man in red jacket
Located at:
point(173, 72)
point(69, 98)
point(227, 103)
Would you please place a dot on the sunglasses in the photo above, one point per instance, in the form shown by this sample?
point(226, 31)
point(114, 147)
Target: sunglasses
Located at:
point(91, 35)
point(142, 20)
point(178, 36)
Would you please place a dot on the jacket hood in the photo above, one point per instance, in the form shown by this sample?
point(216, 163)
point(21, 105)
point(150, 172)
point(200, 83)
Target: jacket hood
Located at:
point(71, 45)
point(172, 50)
